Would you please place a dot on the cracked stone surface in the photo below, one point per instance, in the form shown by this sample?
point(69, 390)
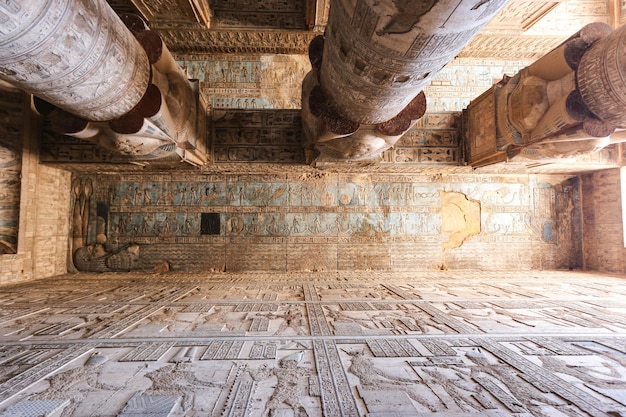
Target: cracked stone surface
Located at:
point(449, 343)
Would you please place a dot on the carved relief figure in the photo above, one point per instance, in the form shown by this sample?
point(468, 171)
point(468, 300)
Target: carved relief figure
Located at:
point(407, 15)
point(290, 384)
point(560, 106)
point(94, 258)
point(373, 378)
point(177, 379)
point(290, 319)
point(526, 394)
point(101, 255)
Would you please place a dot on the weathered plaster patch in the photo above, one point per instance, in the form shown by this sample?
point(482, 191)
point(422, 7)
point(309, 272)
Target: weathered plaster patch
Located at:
point(460, 218)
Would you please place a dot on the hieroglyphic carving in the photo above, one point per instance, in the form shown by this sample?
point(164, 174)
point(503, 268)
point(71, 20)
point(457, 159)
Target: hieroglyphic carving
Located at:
point(376, 61)
point(519, 16)
point(510, 47)
point(226, 349)
point(36, 407)
point(268, 14)
point(434, 139)
point(494, 373)
point(249, 81)
point(336, 396)
point(270, 137)
point(544, 380)
point(156, 405)
point(186, 13)
point(40, 370)
point(391, 348)
point(147, 352)
point(196, 43)
point(96, 73)
point(163, 213)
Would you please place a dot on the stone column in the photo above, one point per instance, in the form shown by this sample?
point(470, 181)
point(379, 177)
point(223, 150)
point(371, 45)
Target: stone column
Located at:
point(372, 64)
point(75, 54)
point(568, 103)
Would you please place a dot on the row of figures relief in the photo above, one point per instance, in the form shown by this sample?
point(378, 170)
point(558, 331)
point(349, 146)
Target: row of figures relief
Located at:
point(279, 224)
point(271, 194)
point(156, 224)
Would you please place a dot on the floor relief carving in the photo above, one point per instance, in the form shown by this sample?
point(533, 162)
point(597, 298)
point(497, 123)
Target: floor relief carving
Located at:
point(315, 344)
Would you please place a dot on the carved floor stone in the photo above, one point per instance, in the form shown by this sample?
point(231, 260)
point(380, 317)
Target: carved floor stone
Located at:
point(436, 343)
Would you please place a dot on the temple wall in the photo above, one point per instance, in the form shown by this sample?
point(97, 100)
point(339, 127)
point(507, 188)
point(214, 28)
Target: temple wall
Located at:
point(603, 229)
point(255, 81)
point(249, 81)
point(317, 221)
point(43, 231)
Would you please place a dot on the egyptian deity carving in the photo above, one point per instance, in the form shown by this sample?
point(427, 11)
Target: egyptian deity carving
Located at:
point(95, 258)
point(101, 255)
point(290, 380)
point(568, 103)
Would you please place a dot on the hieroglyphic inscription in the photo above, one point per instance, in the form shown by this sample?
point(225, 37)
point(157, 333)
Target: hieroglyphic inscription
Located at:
point(259, 324)
point(317, 320)
point(19, 313)
point(239, 400)
point(300, 222)
point(119, 326)
point(56, 329)
point(153, 405)
point(263, 351)
point(356, 306)
point(336, 395)
point(81, 58)
point(557, 346)
point(269, 14)
point(197, 308)
point(503, 396)
point(227, 349)
point(392, 348)
point(30, 357)
point(247, 307)
point(147, 352)
point(369, 362)
point(261, 136)
point(36, 408)
point(438, 348)
point(39, 371)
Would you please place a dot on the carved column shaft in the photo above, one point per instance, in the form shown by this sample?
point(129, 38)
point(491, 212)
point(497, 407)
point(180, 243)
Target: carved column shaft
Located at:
point(569, 103)
point(75, 54)
point(365, 89)
point(379, 55)
point(601, 78)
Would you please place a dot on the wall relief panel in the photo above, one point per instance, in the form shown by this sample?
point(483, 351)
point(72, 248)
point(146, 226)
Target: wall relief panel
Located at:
point(321, 221)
